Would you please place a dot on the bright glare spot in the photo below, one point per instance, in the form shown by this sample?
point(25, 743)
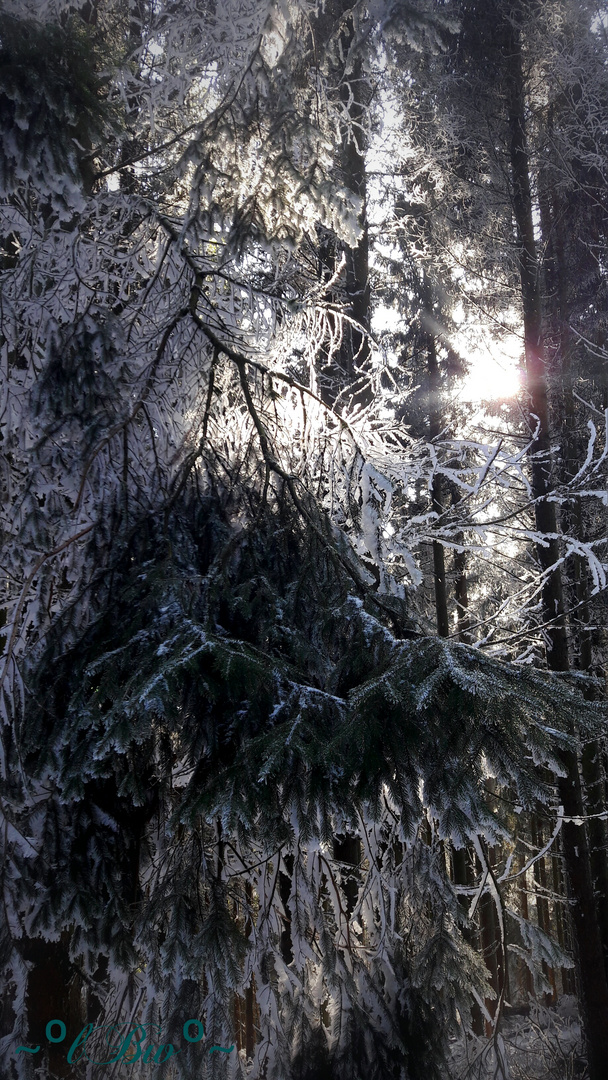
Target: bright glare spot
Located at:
point(494, 363)
point(494, 371)
point(385, 318)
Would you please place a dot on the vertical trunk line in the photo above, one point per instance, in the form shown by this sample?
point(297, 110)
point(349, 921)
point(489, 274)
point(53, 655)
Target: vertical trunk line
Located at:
point(592, 976)
point(437, 493)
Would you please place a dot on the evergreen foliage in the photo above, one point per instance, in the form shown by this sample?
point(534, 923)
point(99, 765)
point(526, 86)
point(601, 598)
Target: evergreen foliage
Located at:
point(53, 108)
point(212, 671)
point(231, 707)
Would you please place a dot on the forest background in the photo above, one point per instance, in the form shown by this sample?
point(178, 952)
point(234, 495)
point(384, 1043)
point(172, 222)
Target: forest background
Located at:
point(303, 425)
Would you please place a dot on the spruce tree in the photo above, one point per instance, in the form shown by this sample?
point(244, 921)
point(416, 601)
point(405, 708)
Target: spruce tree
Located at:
point(211, 667)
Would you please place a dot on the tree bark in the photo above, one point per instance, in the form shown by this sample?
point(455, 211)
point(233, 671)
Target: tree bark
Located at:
point(553, 222)
point(53, 993)
point(437, 494)
point(346, 375)
point(591, 973)
point(542, 901)
point(462, 874)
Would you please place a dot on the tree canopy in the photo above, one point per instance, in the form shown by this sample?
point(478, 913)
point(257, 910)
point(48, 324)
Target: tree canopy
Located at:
point(298, 647)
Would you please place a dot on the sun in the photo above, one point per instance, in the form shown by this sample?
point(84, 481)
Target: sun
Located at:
point(495, 370)
point(493, 359)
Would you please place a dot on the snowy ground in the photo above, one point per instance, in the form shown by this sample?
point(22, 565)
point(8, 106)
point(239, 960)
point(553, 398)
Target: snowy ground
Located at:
point(545, 1044)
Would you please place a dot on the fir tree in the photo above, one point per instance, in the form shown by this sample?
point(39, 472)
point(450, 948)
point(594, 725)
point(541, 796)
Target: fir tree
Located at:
point(211, 666)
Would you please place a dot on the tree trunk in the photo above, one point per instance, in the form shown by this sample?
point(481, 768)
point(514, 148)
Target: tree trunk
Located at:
point(343, 378)
point(553, 218)
point(528, 985)
point(355, 344)
point(562, 920)
point(462, 874)
point(54, 992)
point(461, 585)
point(592, 976)
point(346, 375)
point(437, 495)
point(542, 901)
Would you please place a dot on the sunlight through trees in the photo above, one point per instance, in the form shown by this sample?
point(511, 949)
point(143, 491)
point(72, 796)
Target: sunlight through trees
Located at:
point(303, 445)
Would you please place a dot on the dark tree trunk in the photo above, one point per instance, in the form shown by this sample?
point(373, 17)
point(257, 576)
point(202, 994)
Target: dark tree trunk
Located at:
point(347, 850)
point(346, 374)
point(562, 921)
point(461, 584)
point(461, 591)
point(285, 893)
point(542, 901)
point(554, 220)
point(437, 493)
point(343, 379)
point(54, 992)
point(528, 985)
point(355, 344)
point(462, 874)
point(592, 976)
